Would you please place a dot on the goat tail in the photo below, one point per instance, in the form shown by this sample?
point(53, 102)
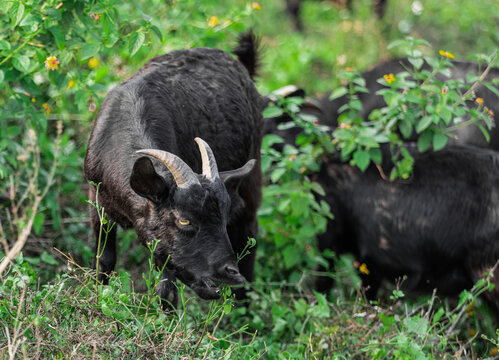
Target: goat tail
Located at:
point(247, 52)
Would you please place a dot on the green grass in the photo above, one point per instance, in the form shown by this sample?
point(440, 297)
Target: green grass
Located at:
point(72, 318)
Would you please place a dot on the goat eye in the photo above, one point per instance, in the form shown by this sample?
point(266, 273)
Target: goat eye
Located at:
point(183, 222)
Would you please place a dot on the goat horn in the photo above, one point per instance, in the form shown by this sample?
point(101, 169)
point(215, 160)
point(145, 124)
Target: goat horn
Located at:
point(182, 173)
point(210, 169)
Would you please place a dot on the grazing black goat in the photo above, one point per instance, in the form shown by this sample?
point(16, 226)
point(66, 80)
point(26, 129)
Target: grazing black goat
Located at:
point(199, 201)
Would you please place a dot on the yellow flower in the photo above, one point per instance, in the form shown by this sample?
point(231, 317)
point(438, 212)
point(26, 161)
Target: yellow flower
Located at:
point(72, 83)
point(363, 269)
point(479, 101)
point(256, 6)
point(51, 63)
point(33, 100)
point(47, 108)
point(213, 21)
point(494, 351)
point(389, 78)
point(93, 63)
point(446, 54)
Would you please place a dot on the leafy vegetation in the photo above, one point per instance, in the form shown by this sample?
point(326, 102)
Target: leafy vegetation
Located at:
point(416, 102)
point(57, 62)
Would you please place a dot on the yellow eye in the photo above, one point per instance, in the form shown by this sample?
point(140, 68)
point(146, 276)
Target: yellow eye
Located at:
point(183, 222)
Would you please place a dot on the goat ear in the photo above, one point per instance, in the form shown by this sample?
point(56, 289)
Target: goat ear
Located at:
point(146, 182)
point(238, 173)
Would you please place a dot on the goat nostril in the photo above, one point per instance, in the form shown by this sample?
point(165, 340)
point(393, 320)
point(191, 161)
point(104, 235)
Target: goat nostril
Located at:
point(231, 270)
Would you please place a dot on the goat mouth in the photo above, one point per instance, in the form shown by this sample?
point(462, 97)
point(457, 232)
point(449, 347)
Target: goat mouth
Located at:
point(206, 289)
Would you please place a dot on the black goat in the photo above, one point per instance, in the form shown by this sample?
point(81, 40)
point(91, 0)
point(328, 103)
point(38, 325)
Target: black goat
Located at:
point(440, 228)
point(201, 221)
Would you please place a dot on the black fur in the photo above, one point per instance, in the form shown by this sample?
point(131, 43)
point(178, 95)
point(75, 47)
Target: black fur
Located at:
point(247, 52)
point(174, 98)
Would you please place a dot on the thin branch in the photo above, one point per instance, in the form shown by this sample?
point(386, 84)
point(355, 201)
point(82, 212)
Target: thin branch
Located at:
point(26, 230)
point(482, 78)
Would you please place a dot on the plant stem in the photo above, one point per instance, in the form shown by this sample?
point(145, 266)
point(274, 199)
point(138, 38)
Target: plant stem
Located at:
point(20, 46)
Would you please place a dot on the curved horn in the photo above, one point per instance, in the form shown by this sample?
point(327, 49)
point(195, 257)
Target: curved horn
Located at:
point(182, 173)
point(210, 168)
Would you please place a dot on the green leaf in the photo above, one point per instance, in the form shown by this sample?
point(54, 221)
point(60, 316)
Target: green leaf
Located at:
point(422, 42)
point(106, 310)
point(492, 88)
point(424, 141)
point(438, 315)
point(16, 12)
point(446, 114)
point(361, 159)
point(321, 310)
point(48, 259)
point(391, 98)
point(89, 50)
point(376, 155)
point(21, 63)
point(157, 32)
point(276, 174)
point(367, 141)
point(484, 132)
point(316, 187)
point(20, 258)
point(2, 76)
point(135, 42)
point(291, 256)
point(272, 111)
point(396, 43)
point(423, 124)
point(439, 141)
point(417, 325)
point(38, 223)
point(338, 92)
point(13, 131)
point(58, 37)
point(110, 39)
point(416, 62)
point(360, 81)
point(4, 45)
point(271, 139)
point(405, 128)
